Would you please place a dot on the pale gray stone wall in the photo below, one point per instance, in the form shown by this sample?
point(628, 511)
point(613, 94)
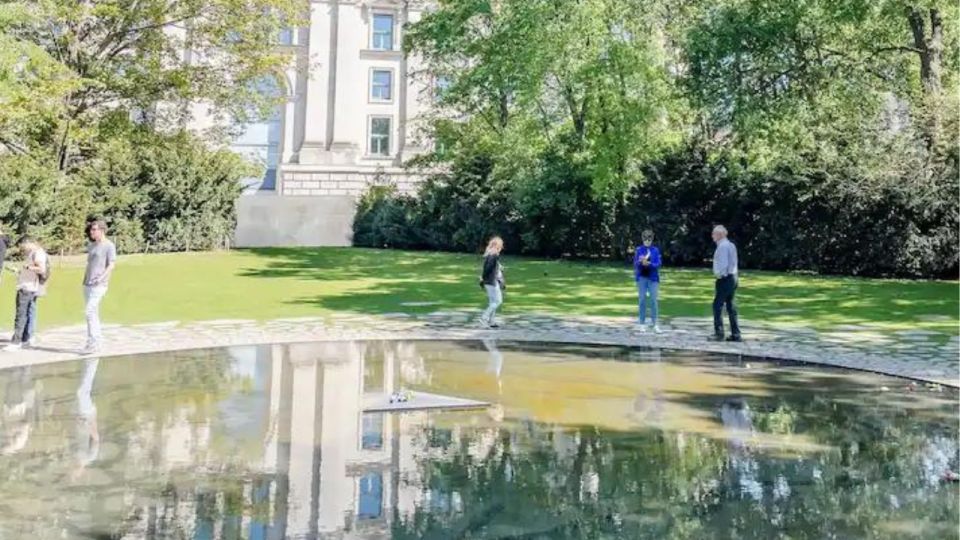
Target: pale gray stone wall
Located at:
point(279, 220)
point(343, 183)
point(310, 208)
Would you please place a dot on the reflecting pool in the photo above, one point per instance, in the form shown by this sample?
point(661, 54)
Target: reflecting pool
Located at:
point(267, 442)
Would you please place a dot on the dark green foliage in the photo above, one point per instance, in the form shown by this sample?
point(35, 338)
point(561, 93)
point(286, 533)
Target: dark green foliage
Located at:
point(451, 213)
point(782, 220)
point(382, 219)
point(823, 134)
point(156, 192)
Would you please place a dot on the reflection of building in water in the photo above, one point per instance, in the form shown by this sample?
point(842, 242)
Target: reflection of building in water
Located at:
point(322, 466)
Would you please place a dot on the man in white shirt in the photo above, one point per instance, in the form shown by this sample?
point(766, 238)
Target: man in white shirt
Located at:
point(30, 286)
point(726, 271)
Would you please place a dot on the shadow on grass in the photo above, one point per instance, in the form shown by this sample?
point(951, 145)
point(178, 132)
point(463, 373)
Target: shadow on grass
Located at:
point(386, 280)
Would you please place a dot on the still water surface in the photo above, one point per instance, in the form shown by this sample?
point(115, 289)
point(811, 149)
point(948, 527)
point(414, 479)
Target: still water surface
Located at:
point(578, 442)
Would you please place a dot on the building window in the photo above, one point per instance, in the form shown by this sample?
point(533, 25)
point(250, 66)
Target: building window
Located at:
point(370, 503)
point(285, 37)
point(380, 136)
point(441, 83)
point(372, 436)
point(381, 85)
point(258, 138)
point(382, 32)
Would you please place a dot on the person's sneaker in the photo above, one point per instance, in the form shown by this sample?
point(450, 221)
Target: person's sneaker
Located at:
point(735, 338)
point(642, 328)
point(89, 349)
point(31, 343)
point(656, 329)
point(715, 337)
point(12, 347)
point(493, 325)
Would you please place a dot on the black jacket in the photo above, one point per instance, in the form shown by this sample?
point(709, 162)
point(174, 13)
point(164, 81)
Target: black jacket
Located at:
point(491, 269)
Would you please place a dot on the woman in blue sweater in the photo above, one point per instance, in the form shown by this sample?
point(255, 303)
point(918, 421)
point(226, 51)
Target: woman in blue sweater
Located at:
point(646, 270)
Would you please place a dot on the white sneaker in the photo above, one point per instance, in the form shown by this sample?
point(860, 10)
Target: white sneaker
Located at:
point(643, 328)
point(657, 330)
point(89, 349)
point(31, 343)
point(12, 347)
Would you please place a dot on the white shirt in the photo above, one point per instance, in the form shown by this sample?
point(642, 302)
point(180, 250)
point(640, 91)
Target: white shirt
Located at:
point(28, 279)
point(725, 259)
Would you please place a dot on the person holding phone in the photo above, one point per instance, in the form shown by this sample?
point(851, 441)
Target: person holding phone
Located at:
point(31, 284)
point(646, 271)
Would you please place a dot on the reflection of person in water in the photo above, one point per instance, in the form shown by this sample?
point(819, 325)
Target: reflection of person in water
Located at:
point(738, 422)
point(648, 404)
point(495, 366)
point(19, 410)
point(87, 436)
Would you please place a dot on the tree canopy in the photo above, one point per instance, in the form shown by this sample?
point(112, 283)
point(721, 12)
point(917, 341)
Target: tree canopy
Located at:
point(821, 131)
point(93, 95)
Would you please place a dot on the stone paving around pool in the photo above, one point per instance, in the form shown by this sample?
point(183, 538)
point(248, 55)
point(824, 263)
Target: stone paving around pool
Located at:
point(915, 354)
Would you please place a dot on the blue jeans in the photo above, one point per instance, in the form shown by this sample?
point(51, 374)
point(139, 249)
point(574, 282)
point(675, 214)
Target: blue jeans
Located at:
point(31, 320)
point(495, 298)
point(646, 287)
point(92, 296)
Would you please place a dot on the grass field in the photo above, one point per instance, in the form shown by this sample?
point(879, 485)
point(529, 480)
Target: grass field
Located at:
point(278, 283)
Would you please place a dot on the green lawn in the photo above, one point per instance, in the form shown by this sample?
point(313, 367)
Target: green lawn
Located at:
point(278, 283)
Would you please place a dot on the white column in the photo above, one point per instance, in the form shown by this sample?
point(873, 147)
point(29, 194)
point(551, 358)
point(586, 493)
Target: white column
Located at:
point(271, 445)
point(303, 434)
point(323, 17)
point(349, 122)
point(340, 440)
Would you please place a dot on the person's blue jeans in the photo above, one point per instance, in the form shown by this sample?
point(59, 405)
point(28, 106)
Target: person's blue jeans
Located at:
point(495, 298)
point(647, 287)
point(31, 320)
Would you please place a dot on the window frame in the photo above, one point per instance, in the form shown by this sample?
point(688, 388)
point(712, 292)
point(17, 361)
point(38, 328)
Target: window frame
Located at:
point(390, 88)
point(389, 136)
point(373, 30)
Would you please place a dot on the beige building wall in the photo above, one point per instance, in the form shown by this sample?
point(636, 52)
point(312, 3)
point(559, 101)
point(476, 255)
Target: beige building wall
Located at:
point(334, 134)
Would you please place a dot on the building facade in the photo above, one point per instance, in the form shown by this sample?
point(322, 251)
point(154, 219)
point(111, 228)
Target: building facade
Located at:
point(349, 119)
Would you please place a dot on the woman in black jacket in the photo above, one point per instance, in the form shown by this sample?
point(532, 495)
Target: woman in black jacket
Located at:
point(492, 281)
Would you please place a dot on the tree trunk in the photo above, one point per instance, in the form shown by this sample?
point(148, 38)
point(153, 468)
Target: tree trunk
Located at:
point(504, 109)
point(930, 50)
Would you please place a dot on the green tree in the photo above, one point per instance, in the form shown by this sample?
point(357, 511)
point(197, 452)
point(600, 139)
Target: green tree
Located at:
point(836, 69)
point(590, 76)
point(145, 57)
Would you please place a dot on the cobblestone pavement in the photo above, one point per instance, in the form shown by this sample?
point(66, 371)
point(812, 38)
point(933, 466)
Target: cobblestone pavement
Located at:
point(915, 354)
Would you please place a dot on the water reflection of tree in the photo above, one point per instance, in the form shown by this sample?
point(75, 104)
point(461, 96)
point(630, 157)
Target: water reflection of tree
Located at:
point(540, 481)
point(146, 396)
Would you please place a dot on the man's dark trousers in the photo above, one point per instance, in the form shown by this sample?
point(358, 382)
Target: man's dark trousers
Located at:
point(725, 291)
point(22, 317)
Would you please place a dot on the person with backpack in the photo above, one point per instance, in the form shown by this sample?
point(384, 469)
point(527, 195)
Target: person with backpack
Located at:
point(646, 272)
point(31, 284)
point(491, 280)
